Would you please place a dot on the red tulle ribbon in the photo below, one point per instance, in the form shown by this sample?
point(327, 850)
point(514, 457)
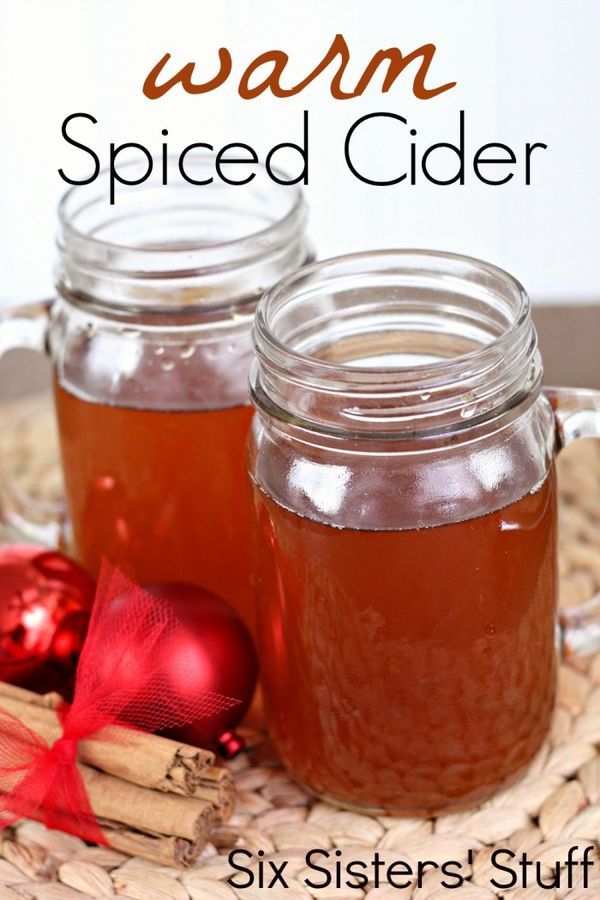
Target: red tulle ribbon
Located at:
point(126, 676)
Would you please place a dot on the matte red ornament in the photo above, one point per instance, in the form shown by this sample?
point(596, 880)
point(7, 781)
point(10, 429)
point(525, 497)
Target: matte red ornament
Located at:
point(45, 599)
point(216, 647)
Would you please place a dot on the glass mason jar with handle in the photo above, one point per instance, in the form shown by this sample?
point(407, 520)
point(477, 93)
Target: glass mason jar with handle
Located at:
point(150, 341)
point(405, 503)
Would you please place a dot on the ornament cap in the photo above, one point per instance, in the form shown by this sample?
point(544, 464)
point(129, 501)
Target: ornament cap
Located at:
point(230, 744)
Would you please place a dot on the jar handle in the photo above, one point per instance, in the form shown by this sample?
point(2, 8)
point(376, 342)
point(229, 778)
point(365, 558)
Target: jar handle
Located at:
point(25, 328)
point(577, 415)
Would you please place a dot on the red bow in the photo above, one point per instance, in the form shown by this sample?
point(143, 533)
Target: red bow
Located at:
point(124, 677)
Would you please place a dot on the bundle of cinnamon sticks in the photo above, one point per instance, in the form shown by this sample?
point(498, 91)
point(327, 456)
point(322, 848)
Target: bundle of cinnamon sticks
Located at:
point(152, 796)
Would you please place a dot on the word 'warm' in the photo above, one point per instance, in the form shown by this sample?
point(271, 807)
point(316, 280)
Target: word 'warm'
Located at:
point(254, 81)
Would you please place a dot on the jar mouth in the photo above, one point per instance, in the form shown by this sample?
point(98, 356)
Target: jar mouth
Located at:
point(160, 241)
point(402, 339)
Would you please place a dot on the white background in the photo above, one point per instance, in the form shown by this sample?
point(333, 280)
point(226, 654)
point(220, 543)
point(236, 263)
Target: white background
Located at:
point(527, 70)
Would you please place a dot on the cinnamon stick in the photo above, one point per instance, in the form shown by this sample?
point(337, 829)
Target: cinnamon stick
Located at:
point(127, 806)
point(144, 759)
point(168, 851)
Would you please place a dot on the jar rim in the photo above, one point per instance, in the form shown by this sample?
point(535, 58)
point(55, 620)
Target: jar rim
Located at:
point(402, 305)
point(286, 285)
point(179, 247)
point(244, 247)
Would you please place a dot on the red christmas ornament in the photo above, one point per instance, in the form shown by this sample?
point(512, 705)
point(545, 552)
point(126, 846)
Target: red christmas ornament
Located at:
point(45, 600)
point(217, 647)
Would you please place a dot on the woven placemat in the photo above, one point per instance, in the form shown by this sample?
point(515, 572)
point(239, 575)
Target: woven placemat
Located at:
point(554, 807)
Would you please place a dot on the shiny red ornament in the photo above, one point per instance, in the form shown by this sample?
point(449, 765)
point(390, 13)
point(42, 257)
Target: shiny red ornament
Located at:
point(216, 647)
point(45, 599)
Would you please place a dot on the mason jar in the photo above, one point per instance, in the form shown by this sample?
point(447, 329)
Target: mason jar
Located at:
point(402, 460)
point(150, 342)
